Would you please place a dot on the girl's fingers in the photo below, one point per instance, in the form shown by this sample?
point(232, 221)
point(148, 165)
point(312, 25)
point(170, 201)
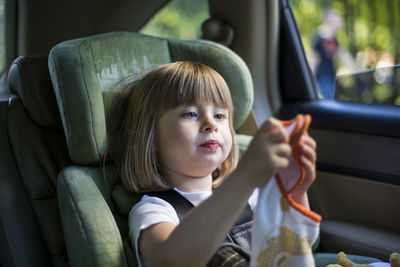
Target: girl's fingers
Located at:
point(309, 153)
point(281, 162)
point(307, 163)
point(308, 140)
point(271, 131)
point(283, 150)
point(278, 135)
point(308, 148)
point(309, 167)
point(269, 124)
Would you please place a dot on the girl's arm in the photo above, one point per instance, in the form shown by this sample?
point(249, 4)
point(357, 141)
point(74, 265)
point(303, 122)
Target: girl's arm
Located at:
point(198, 236)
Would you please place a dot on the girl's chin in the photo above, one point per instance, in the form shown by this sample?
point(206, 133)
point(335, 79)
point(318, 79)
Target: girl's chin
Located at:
point(200, 175)
point(211, 160)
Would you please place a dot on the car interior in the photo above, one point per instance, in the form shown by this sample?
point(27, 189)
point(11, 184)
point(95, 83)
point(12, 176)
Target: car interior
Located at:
point(60, 202)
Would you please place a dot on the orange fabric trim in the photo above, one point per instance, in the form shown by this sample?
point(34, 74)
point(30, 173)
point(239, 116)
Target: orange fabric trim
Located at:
point(297, 206)
point(303, 123)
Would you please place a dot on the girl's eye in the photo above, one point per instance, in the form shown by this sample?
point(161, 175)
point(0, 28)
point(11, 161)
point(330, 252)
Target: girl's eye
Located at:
point(219, 116)
point(190, 114)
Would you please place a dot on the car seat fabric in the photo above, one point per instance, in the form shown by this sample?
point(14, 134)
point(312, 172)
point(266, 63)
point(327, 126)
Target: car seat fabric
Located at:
point(31, 225)
point(92, 235)
point(86, 74)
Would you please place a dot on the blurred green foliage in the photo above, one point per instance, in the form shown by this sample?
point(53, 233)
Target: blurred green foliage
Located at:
point(371, 33)
point(178, 19)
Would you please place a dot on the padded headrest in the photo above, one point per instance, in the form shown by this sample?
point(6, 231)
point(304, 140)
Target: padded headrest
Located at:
point(84, 73)
point(29, 79)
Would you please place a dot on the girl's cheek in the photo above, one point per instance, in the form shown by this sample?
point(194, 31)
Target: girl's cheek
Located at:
point(229, 142)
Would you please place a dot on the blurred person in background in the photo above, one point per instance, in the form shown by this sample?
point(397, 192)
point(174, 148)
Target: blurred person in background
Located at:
point(326, 49)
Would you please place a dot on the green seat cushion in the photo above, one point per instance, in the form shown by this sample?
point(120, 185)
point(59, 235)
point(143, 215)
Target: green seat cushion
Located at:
point(92, 235)
point(243, 142)
point(124, 200)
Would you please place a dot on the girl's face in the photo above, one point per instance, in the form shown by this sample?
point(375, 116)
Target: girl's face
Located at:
point(193, 141)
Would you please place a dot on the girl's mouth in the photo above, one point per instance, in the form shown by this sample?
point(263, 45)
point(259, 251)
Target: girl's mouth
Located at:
point(211, 145)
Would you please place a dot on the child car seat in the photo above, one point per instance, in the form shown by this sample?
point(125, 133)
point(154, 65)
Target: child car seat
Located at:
point(84, 73)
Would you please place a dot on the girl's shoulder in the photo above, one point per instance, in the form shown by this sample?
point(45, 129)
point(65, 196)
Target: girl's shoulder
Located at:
point(150, 210)
point(147, 212)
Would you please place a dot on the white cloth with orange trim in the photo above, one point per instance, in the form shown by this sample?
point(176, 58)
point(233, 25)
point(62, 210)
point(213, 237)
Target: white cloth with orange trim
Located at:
point(283, 230)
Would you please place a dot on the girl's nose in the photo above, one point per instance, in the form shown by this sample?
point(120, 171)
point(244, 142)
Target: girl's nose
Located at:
point(211, 129)
point(209, 126)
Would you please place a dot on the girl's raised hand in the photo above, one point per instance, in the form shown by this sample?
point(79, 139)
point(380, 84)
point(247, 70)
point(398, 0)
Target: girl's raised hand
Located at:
point(267, 153)
point(308, 158)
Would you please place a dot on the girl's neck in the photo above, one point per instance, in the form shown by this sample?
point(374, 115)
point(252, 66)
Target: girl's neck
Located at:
point(190, 184)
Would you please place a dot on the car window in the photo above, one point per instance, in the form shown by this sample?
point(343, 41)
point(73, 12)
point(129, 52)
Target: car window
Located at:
point(352, 48)
point(180, 19)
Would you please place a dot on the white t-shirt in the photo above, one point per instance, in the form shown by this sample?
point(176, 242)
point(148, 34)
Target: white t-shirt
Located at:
point(153, 210)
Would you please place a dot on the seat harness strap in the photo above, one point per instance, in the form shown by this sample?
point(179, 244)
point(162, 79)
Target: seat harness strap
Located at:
point(183, 206)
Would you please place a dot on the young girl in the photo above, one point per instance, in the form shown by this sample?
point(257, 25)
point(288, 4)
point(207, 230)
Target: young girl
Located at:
point(177, 134)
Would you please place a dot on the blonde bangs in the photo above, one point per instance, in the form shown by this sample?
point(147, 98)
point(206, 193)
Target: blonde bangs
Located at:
point(192, 82)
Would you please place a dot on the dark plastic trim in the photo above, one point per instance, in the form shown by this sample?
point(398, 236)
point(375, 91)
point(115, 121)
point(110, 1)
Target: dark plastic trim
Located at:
point(297, 82)
point(375, 119)
point(363, 174)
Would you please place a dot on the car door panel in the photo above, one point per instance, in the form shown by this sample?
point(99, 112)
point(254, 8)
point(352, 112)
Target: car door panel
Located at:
point(357, 190)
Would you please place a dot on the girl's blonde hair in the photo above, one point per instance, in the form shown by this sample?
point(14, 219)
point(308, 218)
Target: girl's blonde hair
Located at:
point(164, 88)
